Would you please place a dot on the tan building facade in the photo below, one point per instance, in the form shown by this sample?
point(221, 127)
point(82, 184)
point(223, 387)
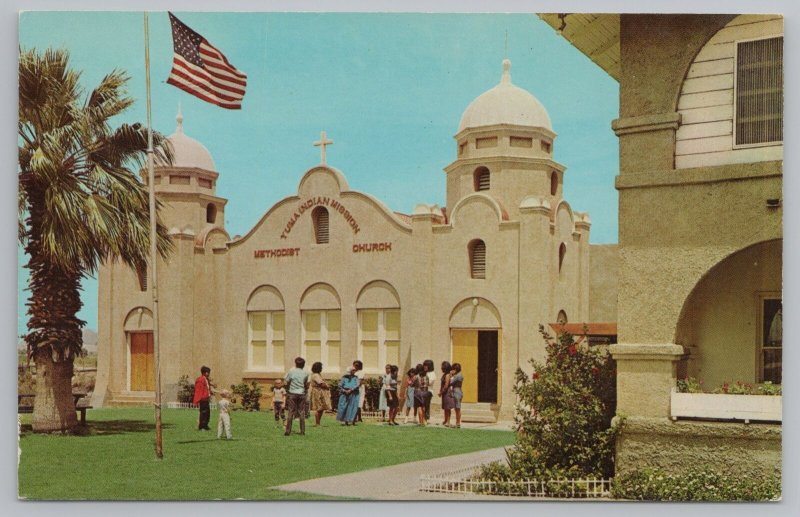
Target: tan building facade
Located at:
point(700, 218)
point(333, 275)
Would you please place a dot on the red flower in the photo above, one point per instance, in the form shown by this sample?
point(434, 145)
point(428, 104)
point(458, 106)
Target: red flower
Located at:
point(572, 350)
point(535, 375)
point(595, 370)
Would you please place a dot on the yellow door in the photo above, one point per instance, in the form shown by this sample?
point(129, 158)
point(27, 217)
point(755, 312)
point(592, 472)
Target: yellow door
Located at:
point(142, 374)
point(465, 352)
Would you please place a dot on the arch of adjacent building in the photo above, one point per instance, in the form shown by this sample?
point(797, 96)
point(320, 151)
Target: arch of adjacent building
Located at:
point(722, 321)
point(378, 294)
point(320, 296)
point(139, 319)
point(265, 298)
point(474, 313)
point(479, 197)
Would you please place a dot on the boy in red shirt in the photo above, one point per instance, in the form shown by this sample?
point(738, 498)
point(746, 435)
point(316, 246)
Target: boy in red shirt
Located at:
point(202, 395)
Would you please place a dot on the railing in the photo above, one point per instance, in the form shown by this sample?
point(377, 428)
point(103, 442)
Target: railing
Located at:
point(188, 405)
point(461, 481)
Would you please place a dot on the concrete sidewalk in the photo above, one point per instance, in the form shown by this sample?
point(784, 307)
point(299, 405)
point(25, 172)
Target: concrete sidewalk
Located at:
point(399, 482)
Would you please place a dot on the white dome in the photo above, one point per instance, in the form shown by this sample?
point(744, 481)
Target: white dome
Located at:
point(188, 152)
point(505, 104)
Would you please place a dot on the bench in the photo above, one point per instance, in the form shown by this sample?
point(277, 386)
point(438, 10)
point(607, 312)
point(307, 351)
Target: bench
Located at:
point(81, 404)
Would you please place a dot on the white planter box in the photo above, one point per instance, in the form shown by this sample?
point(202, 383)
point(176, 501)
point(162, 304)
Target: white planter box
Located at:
point(726, 407)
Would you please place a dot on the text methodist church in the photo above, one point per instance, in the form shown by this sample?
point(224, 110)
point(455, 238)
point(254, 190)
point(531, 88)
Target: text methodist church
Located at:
point(333, 275)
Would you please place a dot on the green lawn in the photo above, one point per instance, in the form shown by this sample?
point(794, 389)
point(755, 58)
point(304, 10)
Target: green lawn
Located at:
point(115, 459)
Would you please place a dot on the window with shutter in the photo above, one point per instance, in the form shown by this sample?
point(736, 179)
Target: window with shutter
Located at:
point(141, 273)
point(477, 259)
point(321, 230)
point(759, 91)
point(481, 179)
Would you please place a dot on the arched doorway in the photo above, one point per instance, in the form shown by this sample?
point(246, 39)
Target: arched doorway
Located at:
point(731, 321)
point(139, 336)
point(475, 337)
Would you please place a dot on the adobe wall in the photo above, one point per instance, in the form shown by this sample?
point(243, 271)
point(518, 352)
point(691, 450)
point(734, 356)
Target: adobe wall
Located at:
point(745, 450)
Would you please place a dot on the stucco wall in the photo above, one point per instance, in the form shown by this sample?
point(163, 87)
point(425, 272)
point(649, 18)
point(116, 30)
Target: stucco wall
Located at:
point(750, 450)
point(604, 263)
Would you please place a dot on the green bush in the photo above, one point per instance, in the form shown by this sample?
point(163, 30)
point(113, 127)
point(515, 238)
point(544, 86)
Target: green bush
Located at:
point(373, 390)
point(695, 485)
point(563, 416)
point(185, 389)
point(248, 395)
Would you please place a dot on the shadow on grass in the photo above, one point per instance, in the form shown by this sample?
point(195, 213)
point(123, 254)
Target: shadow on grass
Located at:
point(206, 440)
point(105, 428)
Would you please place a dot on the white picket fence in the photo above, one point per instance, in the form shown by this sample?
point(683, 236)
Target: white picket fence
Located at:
point(188, 405)
point(462, 481)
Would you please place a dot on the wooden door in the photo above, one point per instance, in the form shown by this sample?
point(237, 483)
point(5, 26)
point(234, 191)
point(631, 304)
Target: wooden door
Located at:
point(142, 373)
point(465, 352)
point(487, 366)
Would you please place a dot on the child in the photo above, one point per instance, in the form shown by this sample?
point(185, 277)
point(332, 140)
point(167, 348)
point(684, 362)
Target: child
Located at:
point(278, 398)
point(224, 421)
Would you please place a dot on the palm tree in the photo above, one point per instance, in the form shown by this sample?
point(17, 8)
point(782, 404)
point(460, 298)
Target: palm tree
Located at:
point(79, 204)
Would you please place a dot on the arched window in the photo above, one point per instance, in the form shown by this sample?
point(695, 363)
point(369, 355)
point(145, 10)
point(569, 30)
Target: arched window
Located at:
point(562, 317)
point(321, 231)
point(477, 258)
point(562, 252)
point(481, 179)
point(553, 183)
point(141, 273)
point(211, 213)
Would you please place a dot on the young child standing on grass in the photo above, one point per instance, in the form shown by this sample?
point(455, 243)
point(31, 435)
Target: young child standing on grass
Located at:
point(224, 421)
point(278, 399)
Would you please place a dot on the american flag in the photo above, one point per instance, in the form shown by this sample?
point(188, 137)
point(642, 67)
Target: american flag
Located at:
point(202, 70)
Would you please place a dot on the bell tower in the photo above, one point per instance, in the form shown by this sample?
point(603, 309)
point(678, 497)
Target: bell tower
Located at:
point(187, 186)
point(504, 148)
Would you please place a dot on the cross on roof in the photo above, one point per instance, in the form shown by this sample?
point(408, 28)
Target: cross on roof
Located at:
point(321, 143)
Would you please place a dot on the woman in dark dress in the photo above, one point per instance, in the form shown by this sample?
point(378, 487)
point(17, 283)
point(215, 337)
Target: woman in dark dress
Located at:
point(421, 393)
point(456, 381)
point(445, 393)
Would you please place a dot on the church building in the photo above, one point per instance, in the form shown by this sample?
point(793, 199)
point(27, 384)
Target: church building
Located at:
point(334, 275)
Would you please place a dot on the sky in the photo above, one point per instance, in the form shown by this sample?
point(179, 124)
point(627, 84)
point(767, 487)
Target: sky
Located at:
point(389, 89)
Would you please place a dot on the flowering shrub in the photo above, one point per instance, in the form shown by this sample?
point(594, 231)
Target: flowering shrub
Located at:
point(185, 389)
point(692, 385)
point(563, 417)
point(695, 485)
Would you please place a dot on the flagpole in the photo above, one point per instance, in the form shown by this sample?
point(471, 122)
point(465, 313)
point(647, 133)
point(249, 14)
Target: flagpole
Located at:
point(153, 236)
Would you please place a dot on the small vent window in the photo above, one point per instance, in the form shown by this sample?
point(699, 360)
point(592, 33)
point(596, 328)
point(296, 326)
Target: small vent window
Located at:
point(211, 213)
point(321, 230)
point(546, 146)
point(520, 141)
point(481, 179)
point(477, 259)
point(483, 143)
point(562, 317)
point(759, 91)
point(553, 183)
point(179, 180)
point(141, 273)
point(562, 252)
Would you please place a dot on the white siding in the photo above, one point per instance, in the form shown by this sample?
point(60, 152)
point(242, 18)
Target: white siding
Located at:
point(705, 136)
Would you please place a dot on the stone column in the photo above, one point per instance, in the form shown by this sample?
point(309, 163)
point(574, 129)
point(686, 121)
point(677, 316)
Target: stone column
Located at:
point(646, 375)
